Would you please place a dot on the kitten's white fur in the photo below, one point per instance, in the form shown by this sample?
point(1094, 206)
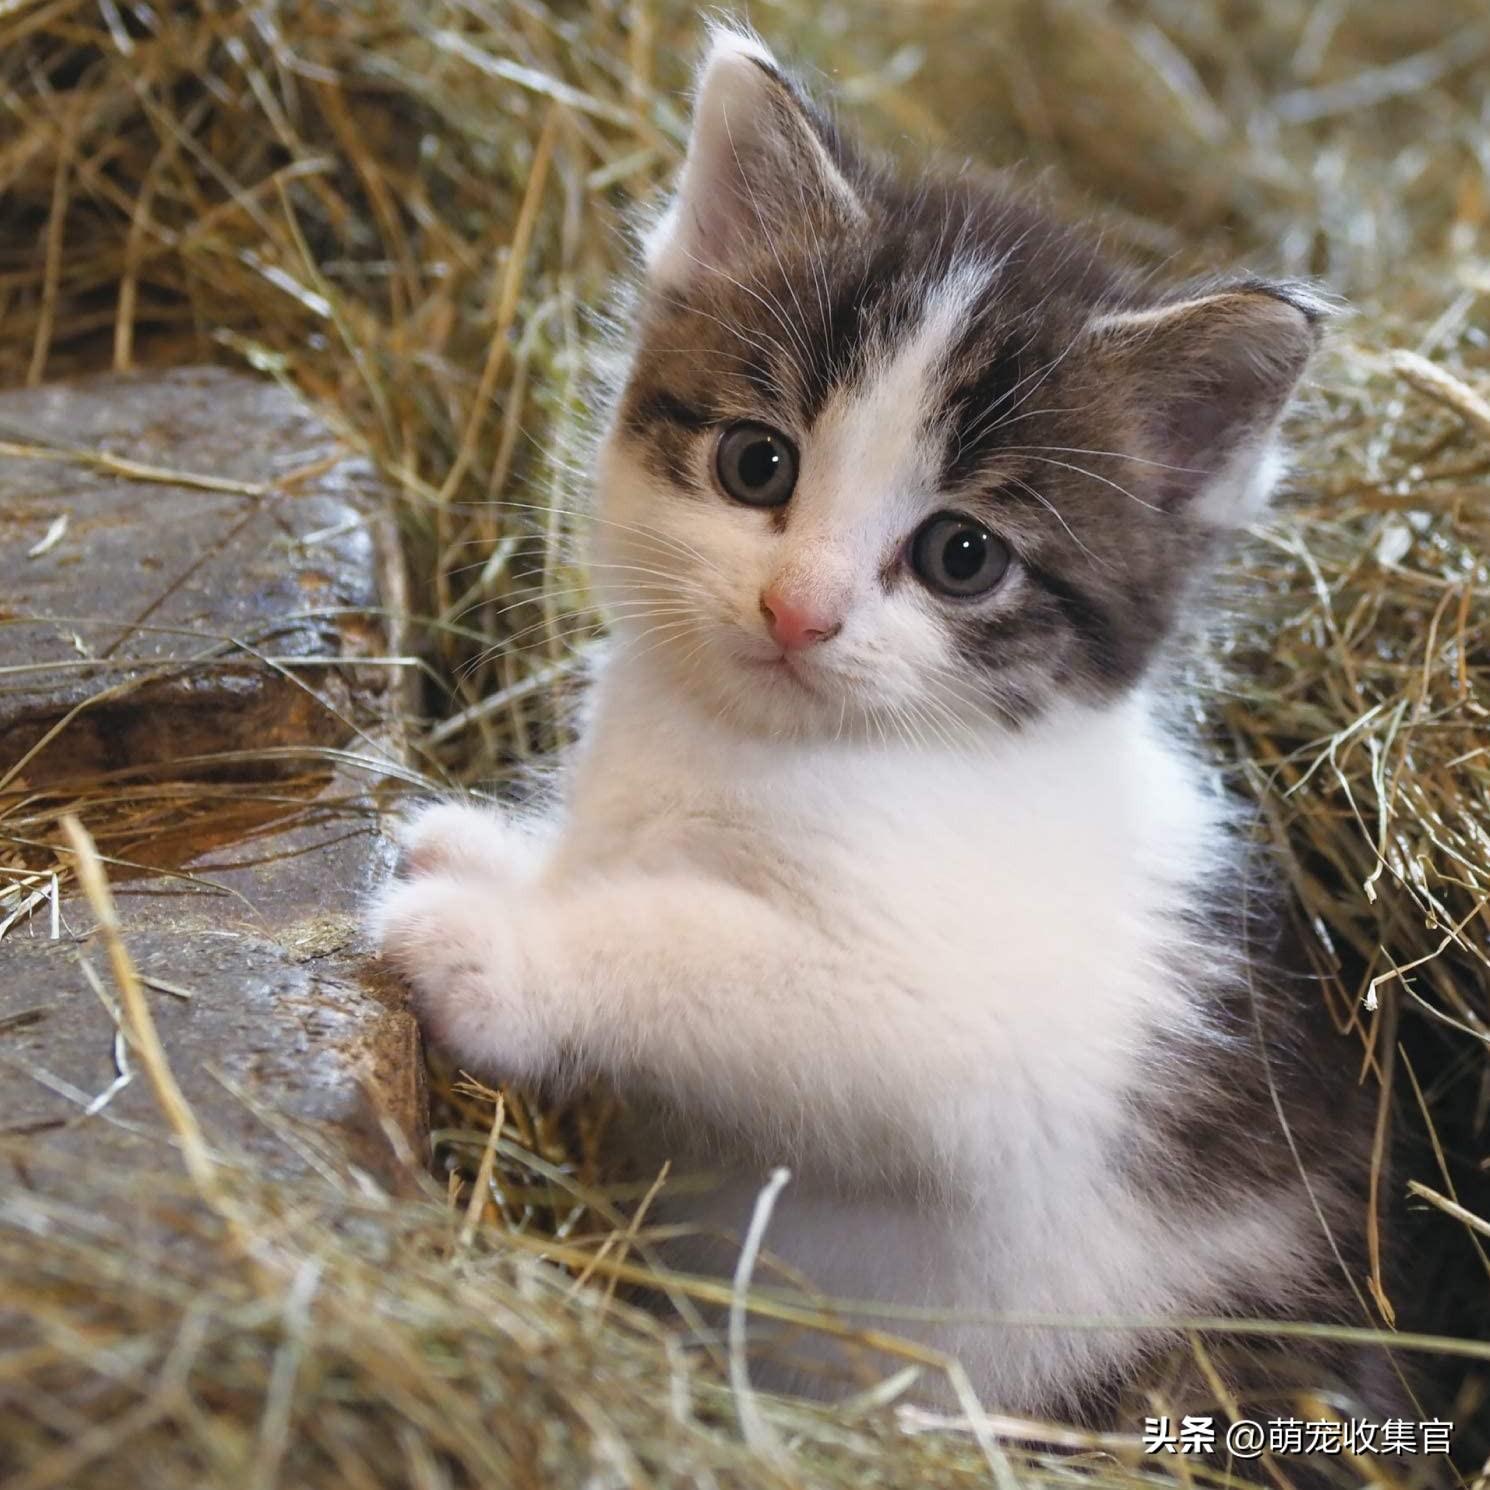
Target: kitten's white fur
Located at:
point(847, 923)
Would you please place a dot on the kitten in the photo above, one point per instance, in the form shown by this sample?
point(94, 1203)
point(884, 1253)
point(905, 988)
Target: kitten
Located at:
point(879, 856)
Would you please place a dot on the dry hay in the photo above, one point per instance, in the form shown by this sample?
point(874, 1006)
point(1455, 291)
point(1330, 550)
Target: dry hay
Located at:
point(403, 209)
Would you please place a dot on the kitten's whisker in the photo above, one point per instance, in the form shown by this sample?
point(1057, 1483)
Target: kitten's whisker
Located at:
point(573, 624)
point(961, 733)
point(667, 577)
point(958, 683)
point(927, 722)
point(652, 534)
point(896, 716)
point(1051, 508)
point(551, 509)
point(1137, 460)
point(686, 549)
point(1097, 476)
point(1032, 414)
point(764, 348)
point(773, 306)
point(564, 634)
point(582, 591)
point(984, 421)
point(663, 629)
point(996, 416)
point(537, 594)
point(665, 638)
point(692, 351)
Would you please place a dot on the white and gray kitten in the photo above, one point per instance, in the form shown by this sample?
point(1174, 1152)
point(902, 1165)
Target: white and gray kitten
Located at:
point(877, 857)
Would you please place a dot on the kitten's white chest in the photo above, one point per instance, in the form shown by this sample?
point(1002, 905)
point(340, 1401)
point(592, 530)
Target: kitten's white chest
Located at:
point(1028, 896)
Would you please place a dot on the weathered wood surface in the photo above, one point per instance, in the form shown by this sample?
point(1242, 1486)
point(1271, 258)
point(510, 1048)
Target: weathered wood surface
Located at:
point(210, 615)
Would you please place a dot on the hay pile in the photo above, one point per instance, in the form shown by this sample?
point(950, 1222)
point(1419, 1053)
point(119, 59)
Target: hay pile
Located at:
point(403, 207)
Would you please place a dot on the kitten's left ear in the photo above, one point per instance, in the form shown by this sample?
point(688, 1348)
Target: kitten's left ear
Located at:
point(1209, 378)
point(757, 151)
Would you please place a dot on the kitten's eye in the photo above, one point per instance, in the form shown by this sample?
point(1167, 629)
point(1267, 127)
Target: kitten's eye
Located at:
point(954, 555)
point(756, 464)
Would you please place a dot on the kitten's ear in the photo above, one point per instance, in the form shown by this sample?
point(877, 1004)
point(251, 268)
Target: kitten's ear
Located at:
point(757, 150)
point(1209, 378)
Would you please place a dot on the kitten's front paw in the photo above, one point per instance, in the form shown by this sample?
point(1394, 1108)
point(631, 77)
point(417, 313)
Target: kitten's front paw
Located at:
point(456, 944)
point(460, 839)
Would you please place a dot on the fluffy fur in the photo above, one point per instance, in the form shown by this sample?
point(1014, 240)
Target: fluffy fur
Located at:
point(940, 912)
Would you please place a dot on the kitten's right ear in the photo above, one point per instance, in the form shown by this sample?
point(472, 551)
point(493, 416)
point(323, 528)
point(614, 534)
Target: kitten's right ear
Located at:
point(756, 151)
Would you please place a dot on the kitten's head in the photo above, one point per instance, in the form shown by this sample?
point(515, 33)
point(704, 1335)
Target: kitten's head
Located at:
point(904, 456)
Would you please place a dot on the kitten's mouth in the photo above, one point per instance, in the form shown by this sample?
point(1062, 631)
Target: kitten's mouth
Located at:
point(782, 666)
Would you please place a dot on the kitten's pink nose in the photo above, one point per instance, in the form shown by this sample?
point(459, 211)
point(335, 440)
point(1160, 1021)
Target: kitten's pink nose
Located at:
point(794, 625)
